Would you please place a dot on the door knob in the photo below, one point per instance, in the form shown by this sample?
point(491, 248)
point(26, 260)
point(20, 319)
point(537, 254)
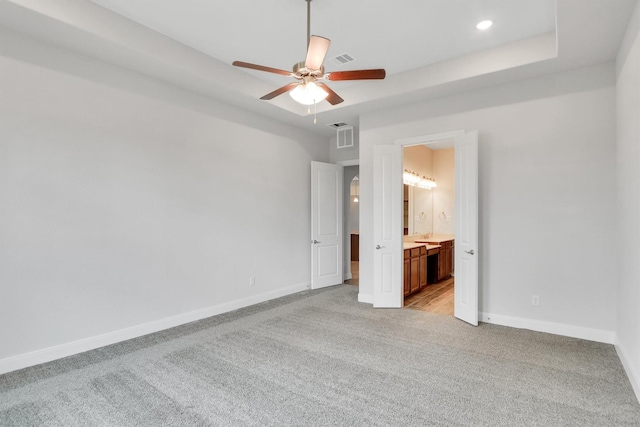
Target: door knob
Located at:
point(315, 242)
point(379, 247)
point(470, 252)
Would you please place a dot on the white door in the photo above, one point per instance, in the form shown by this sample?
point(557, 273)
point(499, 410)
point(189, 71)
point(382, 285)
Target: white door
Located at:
point(387, 226)
point(326, 224)
point(466, 224)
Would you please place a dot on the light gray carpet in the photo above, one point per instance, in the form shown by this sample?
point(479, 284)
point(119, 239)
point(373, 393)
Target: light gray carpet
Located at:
point(321, 358)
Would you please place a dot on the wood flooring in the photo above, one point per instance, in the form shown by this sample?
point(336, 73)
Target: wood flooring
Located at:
point(355, 277)
point(436, 298)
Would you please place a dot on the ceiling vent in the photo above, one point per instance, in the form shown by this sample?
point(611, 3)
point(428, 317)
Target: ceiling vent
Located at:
point(337, 125)
point(345, 136)
point(345, 58)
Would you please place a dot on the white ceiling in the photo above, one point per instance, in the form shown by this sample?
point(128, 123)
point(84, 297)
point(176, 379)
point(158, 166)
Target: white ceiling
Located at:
point(397, 36)
point(429, 48)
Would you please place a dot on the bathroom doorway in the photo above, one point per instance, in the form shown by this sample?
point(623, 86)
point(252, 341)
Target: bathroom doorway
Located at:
point(428, 227)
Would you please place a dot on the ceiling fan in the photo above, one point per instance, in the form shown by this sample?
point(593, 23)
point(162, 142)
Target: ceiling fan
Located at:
point(308, 89)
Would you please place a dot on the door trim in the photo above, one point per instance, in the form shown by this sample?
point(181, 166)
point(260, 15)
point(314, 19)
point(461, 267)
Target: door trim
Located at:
point(346, 238)
point(430, 139)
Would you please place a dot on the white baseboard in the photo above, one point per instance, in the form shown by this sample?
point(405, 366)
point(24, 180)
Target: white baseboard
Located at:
point(598, 335)
point(634, 377)
point(20, 361)
point(367, 298)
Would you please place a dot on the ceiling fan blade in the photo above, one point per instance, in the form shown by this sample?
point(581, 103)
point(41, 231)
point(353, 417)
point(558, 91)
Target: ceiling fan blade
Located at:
point(280, 91)
point(261, 68)
point(357, 75)
point(318, 47)
point(333, 97)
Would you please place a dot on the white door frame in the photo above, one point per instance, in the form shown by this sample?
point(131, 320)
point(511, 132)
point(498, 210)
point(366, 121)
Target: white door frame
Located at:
point(347, 246)
point(426, 140)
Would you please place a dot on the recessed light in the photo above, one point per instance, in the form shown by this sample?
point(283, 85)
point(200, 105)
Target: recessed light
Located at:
point(484, 25)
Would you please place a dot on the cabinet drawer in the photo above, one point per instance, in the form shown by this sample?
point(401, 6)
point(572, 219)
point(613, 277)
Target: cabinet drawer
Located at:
point(407, 253)
point(423, 250)
point(415, 252)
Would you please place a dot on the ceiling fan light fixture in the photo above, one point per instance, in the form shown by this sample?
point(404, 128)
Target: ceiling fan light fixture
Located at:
point(309, 89)
point(308, 93)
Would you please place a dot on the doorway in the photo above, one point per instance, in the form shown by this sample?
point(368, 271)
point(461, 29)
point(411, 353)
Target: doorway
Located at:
point(351, 219)
point(429, 227)
point(387, 222)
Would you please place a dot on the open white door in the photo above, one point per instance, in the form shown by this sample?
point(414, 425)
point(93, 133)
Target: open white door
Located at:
point(387, 226)
point(326, 224)
point(466, 218)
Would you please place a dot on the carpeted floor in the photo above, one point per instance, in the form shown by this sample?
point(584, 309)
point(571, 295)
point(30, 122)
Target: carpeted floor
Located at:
point(321, 358)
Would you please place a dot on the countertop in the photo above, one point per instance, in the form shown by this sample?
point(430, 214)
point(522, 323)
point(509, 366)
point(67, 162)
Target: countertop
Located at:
point(412, 245)
point(435, 239)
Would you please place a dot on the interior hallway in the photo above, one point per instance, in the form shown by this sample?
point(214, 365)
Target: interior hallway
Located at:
point(354, 274)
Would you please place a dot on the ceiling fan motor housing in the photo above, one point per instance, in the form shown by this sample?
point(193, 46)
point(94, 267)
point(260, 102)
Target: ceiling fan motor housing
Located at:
point(300, 71)
point(310, 71)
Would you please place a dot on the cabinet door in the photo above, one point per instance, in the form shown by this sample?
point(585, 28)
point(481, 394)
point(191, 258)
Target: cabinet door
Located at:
point(414, 275)
point(407, 266)
point(453, 256)
point(423, 270)
point(446, 260)
point(450, 259)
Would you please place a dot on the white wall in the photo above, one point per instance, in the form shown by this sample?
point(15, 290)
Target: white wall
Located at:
point(418, 159)
point(128, 205)
point(444, 193)
point(347, 153)
point(628, 212)
point(547, 195)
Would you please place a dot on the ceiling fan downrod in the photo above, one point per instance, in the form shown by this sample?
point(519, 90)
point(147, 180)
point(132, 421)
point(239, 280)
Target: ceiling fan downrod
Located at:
point(308, 22)
point(309, 88)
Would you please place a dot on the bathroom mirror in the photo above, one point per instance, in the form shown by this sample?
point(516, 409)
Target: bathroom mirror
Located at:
point(418, 211)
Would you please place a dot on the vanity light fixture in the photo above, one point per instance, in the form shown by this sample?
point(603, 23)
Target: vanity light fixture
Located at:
point(427, 183)
point(415, 180)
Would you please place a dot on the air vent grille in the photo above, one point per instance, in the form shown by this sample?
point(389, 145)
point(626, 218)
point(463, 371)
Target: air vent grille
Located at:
point(345, 136)
point(345, 58)
point(337, 125)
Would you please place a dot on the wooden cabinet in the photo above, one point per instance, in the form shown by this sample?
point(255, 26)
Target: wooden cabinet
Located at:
point(355, 247)
point(414, 275)
point(445, 263)
point(415, 269)
point(407, 271)
point(445, 267)
point(423, 268)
